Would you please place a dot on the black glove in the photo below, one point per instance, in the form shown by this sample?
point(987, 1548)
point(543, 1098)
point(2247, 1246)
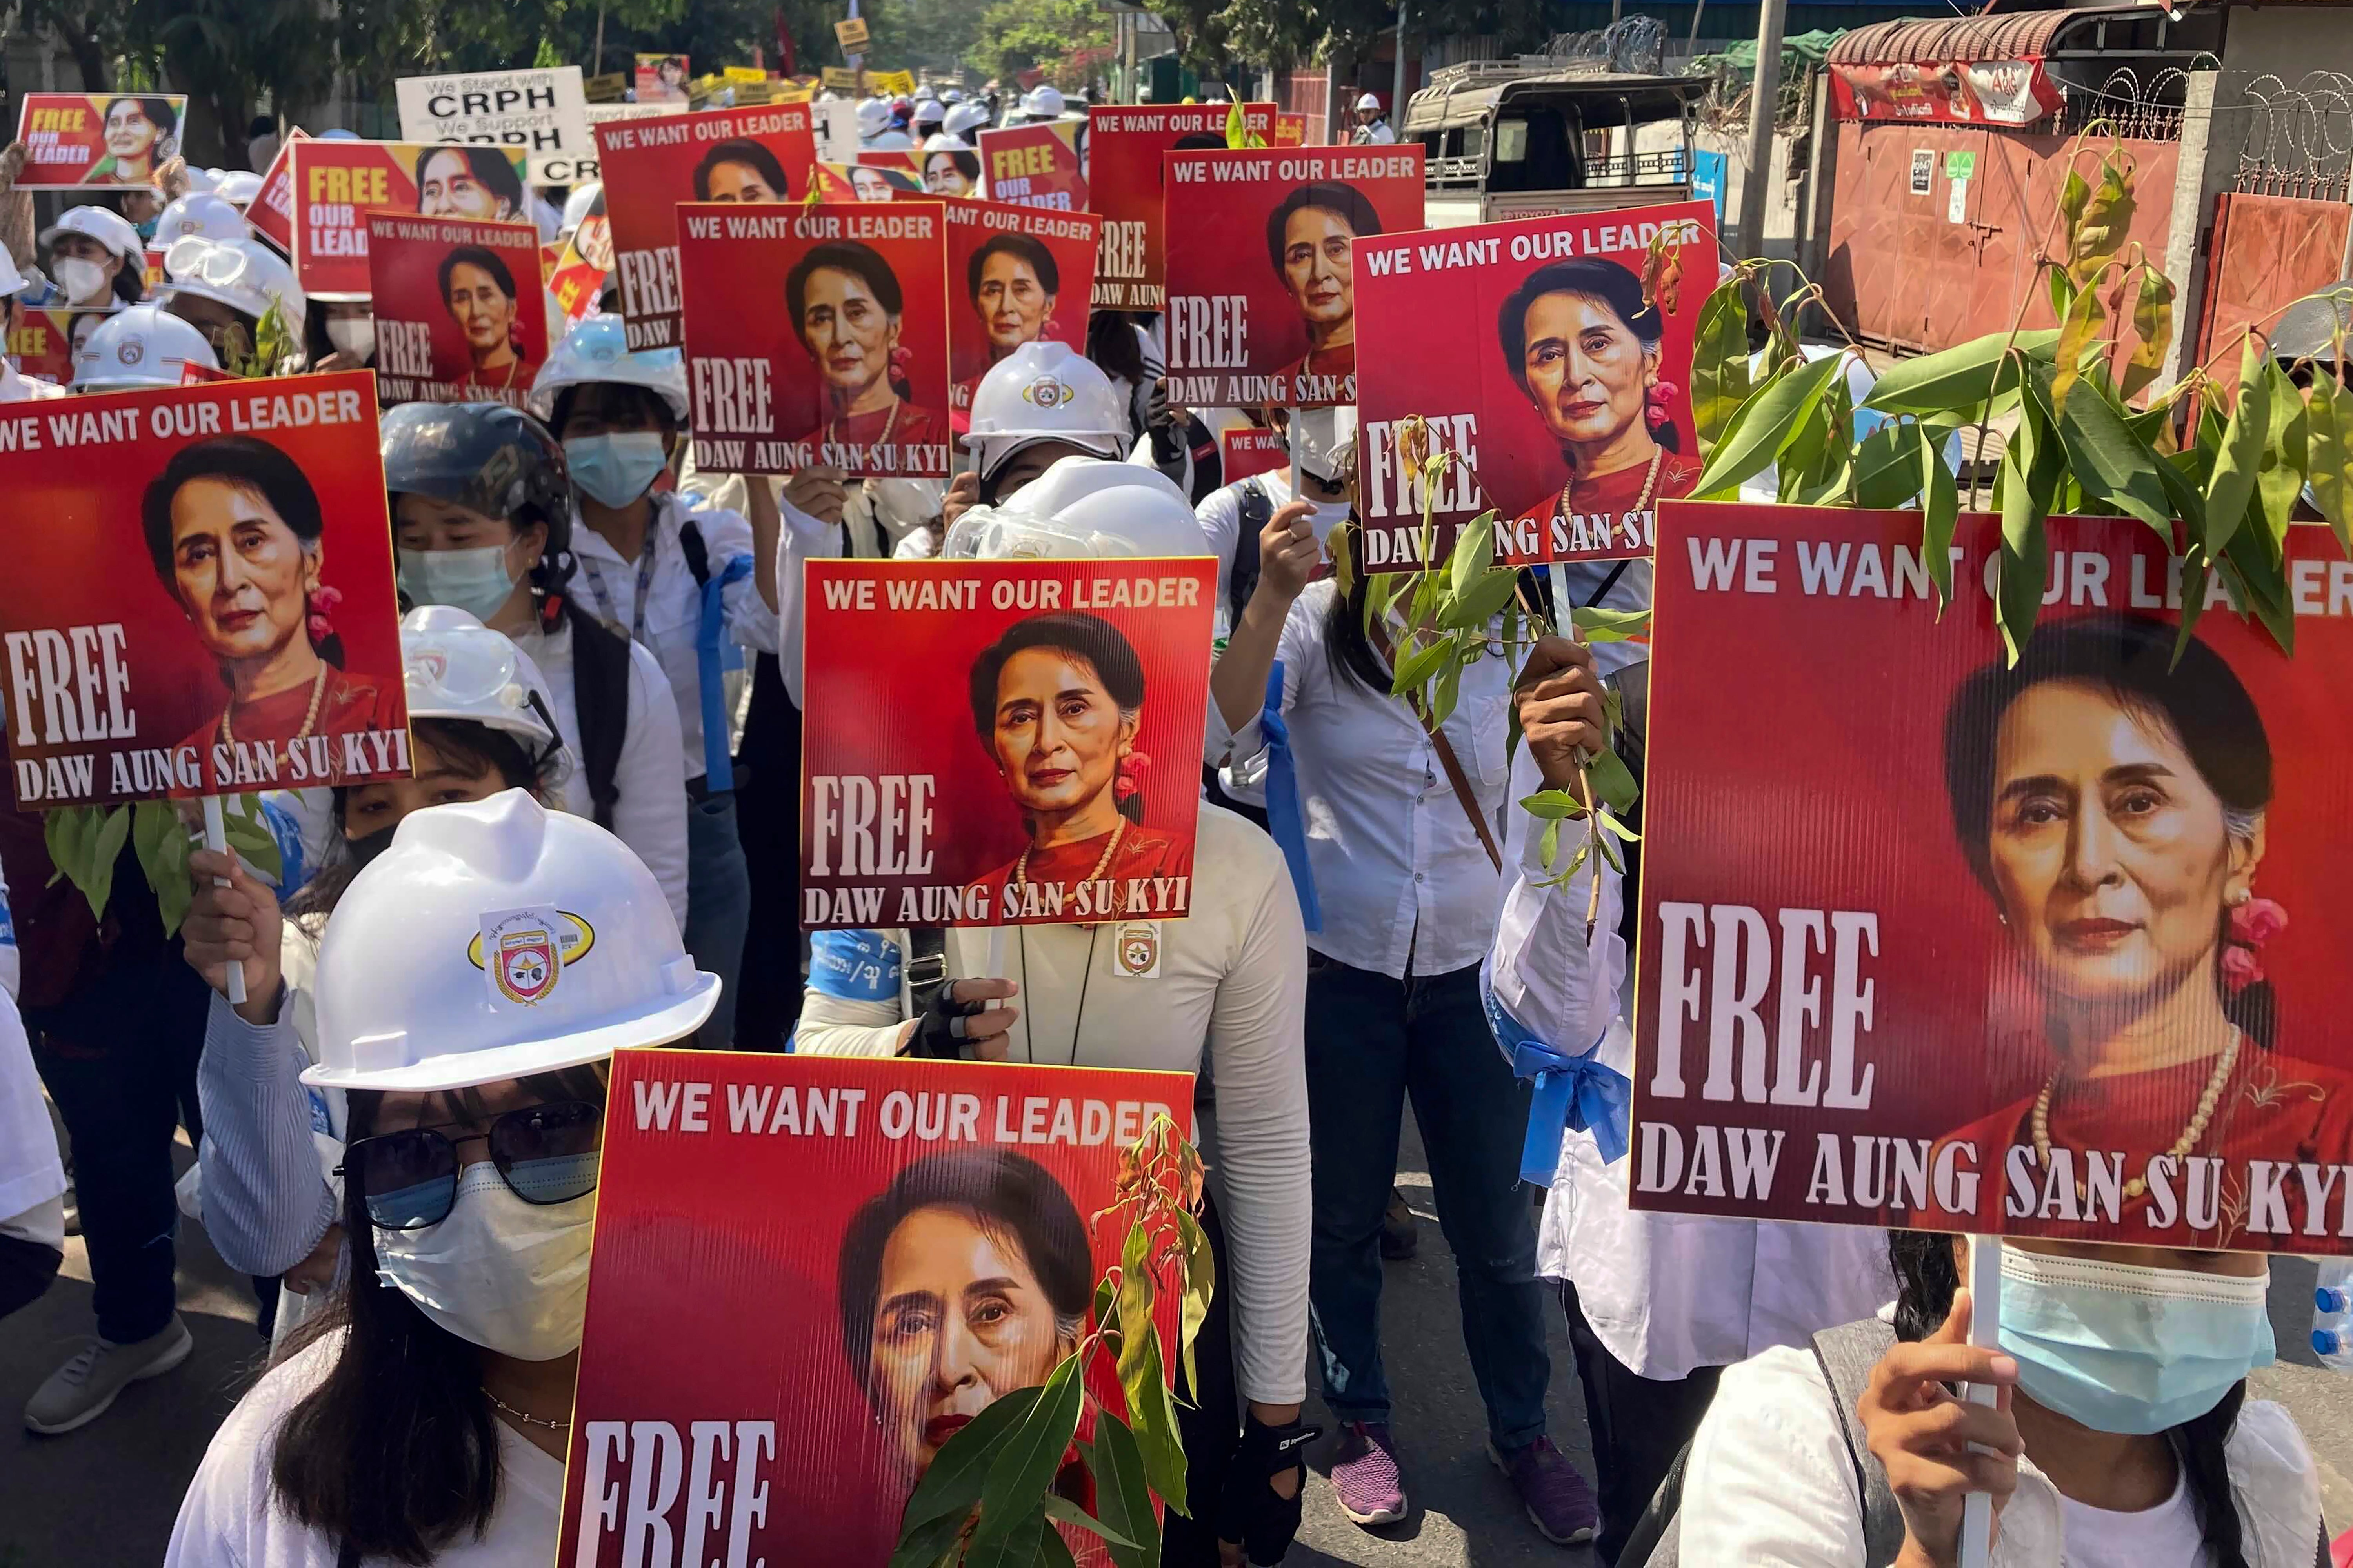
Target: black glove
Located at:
point(1249, 1511)
point(940, 1029)
point(1160, 423)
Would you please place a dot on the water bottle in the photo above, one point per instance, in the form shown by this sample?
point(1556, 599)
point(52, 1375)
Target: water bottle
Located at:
point(2332, 1314)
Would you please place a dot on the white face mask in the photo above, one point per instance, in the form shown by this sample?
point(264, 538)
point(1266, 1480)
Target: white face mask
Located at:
point(353, 335)
point(83, 280)
point(506, 1274)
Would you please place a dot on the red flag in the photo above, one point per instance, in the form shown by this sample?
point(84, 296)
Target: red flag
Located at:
point(786, 63)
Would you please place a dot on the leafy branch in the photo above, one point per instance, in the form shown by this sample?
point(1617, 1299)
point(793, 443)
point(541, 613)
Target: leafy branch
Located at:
point(85, 841)
point(990, 1496)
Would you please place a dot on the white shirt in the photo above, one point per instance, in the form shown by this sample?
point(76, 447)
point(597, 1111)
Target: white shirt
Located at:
point(2166, 1536)
point(606, 587)
point(1220, 516)
point(16, 389)
point(231, 1517)
point(32, 1177)
point(1377, 134)
point(1399, 870)
point(1230, 997)
point(650, 815)
point(1665, 1293)
point(1770, 1485)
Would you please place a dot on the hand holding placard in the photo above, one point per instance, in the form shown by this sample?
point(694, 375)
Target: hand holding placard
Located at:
point(1929, 1442)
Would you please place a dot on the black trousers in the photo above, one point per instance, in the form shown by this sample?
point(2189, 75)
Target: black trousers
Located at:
point(1639, 1425)
point(1208, 1420)
point(767, 819)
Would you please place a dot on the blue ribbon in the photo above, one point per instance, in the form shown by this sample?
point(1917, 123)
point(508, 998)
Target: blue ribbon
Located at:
point(1286, 818)
point(710, 663)
point(1581, 1093)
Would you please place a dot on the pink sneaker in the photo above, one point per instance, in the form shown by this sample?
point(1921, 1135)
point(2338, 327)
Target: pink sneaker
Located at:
point(1559, 1504)
point(1365, 1475)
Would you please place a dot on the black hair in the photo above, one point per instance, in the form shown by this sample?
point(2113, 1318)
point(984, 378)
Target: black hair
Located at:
point(483, 257)
point(2129, 658)
point(1595, 277)
point(316, 344)
point(262, 126)
point(967, 164)
point(1198, 142)
point(1927, 1275)
point(490, 169)
point(395, 1453)
point(1104, 648)
point(1344, 641)
point(621, 392)
point(864, 262)
point(1344, 202)
point(1028, 250)
point(250, 465)
point(1114, 346)
point(1014, 1200)
point(751, 153)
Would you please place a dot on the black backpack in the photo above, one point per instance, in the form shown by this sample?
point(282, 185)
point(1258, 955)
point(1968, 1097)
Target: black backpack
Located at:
point(1241, 578)
point(600, 688)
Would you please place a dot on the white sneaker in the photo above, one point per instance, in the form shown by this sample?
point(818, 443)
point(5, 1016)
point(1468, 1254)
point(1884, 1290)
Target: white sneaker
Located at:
point(78, 1392)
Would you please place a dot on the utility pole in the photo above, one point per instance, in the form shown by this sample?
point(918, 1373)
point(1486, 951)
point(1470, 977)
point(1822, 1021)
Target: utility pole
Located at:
point(1396, 78)
point(1756, 187)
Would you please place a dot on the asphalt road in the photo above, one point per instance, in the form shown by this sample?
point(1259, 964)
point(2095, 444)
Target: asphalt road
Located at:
point(106, 1496)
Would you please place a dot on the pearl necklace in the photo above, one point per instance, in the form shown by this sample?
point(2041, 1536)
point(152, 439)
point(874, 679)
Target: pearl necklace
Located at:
point(1650, 484)
point(2181, 1145)
point(1021, 867)
point(525, 1414)
point(318, 694)
point(833, 427)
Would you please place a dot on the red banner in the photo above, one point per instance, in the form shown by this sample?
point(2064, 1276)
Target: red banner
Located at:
point(73, 141)
point(957, 708)
point(2051, 950)
point(651, 165)
point(1126, 145)
point(271, 213)
point(1248, 449)
point(140, 663)
point(817, 334)
point(1290, 130)
point(1261, 282)
point(1035, 165)
point(45, 341)
point(1554, 355)
point(337, 183)
point(868, 182)
point(1983, 92)
point(460, 313)
point(798, 1383)
point(1016, 274)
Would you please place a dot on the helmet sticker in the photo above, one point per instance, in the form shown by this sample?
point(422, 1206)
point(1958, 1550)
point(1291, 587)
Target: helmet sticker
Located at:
point(522, 954)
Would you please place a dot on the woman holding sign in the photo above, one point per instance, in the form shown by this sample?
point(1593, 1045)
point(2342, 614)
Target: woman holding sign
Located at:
point(235, 532)
point(1583, 344)
point(846, 306)
point(479, 291)
point(142, 135)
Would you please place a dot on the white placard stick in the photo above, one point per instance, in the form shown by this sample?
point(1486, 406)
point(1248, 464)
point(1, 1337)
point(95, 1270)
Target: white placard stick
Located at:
point(217, 840)
point(1985, 1322)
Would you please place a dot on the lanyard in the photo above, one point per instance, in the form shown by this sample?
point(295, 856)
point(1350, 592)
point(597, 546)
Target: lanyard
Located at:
point(644, 585)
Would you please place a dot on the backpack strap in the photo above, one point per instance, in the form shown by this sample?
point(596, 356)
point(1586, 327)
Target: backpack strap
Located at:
point(1241, 580)
point(697, 552)
point(926, 967)
point(600, 695)
point(1655, 1542)
point(1846, 1356)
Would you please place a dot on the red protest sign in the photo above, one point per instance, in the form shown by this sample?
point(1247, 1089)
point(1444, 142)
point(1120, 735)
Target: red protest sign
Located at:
point(662, 79)
point(651, 165)
point(798, 1383)
point(2051, 950)
point(461, 314)
point(817, 334)
point(957, 708)
point(140, 665)
point(1126, 145)
point(1035, 165)
point(1554, 354)
point(336, 184)
point(1290, 130)
point(583, 265)
point(865, 182)
point(1261, 272)
point(1247, 449)
point(1016, 274)
point(73, 140)
point(951, 172)
point(45, 341)
point(271, 213)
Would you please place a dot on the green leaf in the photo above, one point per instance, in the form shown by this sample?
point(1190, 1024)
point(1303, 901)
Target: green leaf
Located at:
point(1445, 691)
point(924, 1544)
point(2105, 223)
point(1123, 1499)
point(2328, 456)
point(248, 832)
point(2077, 331)
point(1719, 363)
point(1414, 670)
point(1887, 467)
point(1957, 379)
point(1612, 825)
point(2262, 581)
point(1613, 786)
point(1552, 805)
point(1549, 843)
point(1053, 1551)
point(1598, 623)
point(952, 1484)
point(1940, 507)
point(1063, 1509)
point(1156, 1427)
point(2024, 553)
point(2239, 458)
point(1020, 1545)
point(1200, 1290)
point(1821, 454)
point(1027, 1460)
point(1474, 551)
point(2062, 293)
point(2195, 569)
point(1778, 411)
point(1481, 602)
point(2075, 194)
point(2152, 319)
point(106, 846)
point(2279, 478)
point(2113, 465)
point(1137, 1333)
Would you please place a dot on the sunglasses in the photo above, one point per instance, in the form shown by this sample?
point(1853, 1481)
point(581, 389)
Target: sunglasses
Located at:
point(545, 1153)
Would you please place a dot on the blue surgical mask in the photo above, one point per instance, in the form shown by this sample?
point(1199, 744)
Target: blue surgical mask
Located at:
point(475, 581)
point(618, 468)
point(2123, 1348)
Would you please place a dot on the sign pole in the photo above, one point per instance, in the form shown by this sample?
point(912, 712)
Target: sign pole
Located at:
point(1985, 1321)
point(217, 840)
point(1764, 100)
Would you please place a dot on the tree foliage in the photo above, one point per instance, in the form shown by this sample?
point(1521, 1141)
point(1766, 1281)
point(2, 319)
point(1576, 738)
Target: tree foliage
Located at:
point(1289, 33)
point(1015, 35)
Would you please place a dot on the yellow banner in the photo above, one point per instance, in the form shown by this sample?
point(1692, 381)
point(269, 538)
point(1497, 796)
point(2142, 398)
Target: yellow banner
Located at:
point(841, 79)
point(900, 82)
point(744, 74)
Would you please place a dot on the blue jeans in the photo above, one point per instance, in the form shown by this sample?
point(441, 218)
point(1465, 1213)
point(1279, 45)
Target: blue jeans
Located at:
point(718, 906)
point(1372, 1041)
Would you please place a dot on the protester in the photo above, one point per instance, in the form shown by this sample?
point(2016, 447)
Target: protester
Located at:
point(1372, 123)
point(1235, 516)
point(340, 334)
point(2122, 1435)
point(198, 212)
point(1037, 405)
point(695, 581)
point(260, 143)
point(484, 523)
point(95, 258)
point(1226, 1002)
point(481, 721)
point(475, 1129)
point(15, 387)
point(1120, 344)
point(144, 345)
point(224, 288)
point(32, 1178)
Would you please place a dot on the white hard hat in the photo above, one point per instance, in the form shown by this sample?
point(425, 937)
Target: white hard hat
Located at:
point(576, 205)
point(203, 181)
point(11, 280)
point(104, 225)
point(493, 940)
point(1083, 507)
point(200, 211)
point(456, 668)
point(965, 118)
point(140, 345)
point(238, 187)
point(243, 274)
point(1368, 101)
point(1043, 101)
point(942, 142)
point(597, 350)
point(1043, 391)
point(873, 118)
point(953, 97)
